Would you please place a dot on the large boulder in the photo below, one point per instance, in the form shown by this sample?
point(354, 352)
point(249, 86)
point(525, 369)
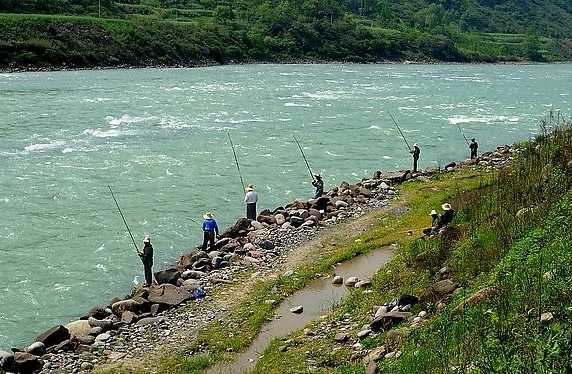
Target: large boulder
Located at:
point(121, 306)
point(296, 221)
point(192, 274)
point(37, 349)
point(231, 246)
point(167, 276)
point(321, 203)
point(104, 324)
point(168, 294)
point(6, 361)
point(269, 218)
point(79, 328)
point(25, 363)
point(54, 336)
point(221, 243)
point(97, 312)
point(236, 230)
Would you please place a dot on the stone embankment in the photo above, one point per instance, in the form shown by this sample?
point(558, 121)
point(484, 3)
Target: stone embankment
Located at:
point(155, 317)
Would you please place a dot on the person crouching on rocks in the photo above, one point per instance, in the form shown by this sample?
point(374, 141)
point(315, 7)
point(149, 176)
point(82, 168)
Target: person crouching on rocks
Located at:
point(251, 198)
point(210, 231)
point(435, 223)
point(146, 255)
point(319, 184)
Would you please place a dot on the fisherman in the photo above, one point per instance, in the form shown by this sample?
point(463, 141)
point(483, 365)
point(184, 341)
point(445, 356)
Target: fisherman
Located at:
point(210, 231)
point(251, 198)
point(447, 217)
point(415, 152)
point(319, 184)
point(146, 255)
point(435, 222)
point(474, 146)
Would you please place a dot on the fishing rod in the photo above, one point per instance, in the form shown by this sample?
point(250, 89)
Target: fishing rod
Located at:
point(236, 161)
point(304, 156)
point(122, 216)
point(462, 133)
point(398, 129)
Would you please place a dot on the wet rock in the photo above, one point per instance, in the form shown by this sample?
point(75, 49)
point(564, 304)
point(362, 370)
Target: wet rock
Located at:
point(167, 276)
point(341, 337)
point(27, 363)
point(351, 281)
point(338, 280)
point(54, 336)
point(168, 294)
point(37, 349)
point(297, 309)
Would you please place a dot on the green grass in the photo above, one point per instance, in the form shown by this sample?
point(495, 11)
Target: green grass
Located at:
point(488, 246)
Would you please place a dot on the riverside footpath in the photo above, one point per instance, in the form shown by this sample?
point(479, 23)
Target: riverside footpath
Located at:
point(202, 287)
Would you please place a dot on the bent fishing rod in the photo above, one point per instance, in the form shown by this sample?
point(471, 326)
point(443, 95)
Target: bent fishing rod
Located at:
point(124, 220)
point(462, 133)
point(304, 156)
point(400, 132)
point(236, 161)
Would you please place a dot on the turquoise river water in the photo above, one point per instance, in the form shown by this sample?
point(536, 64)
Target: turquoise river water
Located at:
point(158, 137)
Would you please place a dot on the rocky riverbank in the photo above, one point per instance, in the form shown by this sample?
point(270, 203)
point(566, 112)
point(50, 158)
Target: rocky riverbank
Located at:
point(161, 316)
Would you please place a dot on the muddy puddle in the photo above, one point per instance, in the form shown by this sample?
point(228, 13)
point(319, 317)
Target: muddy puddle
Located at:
point(317, 299)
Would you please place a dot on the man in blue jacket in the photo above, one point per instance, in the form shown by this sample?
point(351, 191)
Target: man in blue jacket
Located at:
point(210, 231)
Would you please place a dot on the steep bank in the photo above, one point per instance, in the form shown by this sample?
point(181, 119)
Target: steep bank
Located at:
point(52, 42)
point(493, 290)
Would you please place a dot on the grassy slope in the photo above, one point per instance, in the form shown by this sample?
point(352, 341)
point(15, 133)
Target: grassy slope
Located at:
point(489, 246)
point(246, 320)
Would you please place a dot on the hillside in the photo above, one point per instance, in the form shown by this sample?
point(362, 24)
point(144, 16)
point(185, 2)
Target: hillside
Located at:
point(85, 33)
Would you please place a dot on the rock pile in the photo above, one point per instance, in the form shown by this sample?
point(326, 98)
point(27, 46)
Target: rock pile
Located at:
point(108, 332)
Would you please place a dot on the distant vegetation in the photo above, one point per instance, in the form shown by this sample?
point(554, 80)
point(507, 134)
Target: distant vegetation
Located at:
point(84, 33)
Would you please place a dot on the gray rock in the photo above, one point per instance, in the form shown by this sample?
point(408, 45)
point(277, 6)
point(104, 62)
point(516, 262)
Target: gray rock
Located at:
point(341, 337)
point(128, 317)
point(37, 349)
point(79, 328)
point(443, 287)
point(54, 336)
point(341, 204)
point(267, 245)
point(105, 324)
point(96, 331)
point(191, 285)
point(213, 254)
point(280, 219)
point(27, 363)
point(102, 337)
point(297, 309)
point(85, 340)
point(6, 360)
point(86, 366)
point(363, 333)
point(338, 280)
point(192, 274)
point(168, 294)
point(351, 281)
point(362, 284)
point(149, 321)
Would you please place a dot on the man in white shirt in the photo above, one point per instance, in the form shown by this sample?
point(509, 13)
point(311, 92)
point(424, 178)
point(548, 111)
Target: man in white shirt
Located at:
point(251, 198)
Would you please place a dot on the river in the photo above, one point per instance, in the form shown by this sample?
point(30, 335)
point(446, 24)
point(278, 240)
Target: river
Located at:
point(159, 138)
